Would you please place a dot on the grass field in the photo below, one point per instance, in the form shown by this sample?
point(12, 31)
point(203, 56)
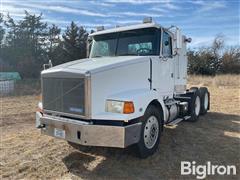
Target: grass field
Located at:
point(26, 154)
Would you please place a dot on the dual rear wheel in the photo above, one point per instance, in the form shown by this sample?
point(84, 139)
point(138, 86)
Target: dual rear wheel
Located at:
point(199, 102)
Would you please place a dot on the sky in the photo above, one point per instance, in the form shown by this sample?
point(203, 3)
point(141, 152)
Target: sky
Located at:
point(201, 20)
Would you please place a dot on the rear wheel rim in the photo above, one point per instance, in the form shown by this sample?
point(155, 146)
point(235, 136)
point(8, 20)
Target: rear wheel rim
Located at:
point(151, 131)
point(206, 101)
point(197, 105)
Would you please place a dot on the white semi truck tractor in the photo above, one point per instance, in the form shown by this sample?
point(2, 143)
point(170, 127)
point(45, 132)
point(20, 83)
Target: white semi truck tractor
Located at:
point(130, 87)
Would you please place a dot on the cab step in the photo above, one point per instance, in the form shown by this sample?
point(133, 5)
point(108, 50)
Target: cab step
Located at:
point(178, 120)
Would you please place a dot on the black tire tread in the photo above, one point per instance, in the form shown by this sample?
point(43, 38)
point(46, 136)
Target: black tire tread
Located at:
point(191, 107)
point(144, 152)
point(202, 91)
point(193, 89)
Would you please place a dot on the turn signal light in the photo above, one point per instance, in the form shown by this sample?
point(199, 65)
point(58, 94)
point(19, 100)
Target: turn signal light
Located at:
point(128, 107)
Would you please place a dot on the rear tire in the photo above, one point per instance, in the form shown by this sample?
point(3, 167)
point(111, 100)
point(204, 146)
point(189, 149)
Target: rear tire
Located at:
point(194, 106)
point(193, 89)
point(205, 100)
point(150, 132)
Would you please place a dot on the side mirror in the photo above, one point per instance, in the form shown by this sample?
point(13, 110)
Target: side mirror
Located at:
point(188, 40)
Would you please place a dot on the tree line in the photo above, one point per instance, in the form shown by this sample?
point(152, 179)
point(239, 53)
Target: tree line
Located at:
point(215, 59)
point(28, 43)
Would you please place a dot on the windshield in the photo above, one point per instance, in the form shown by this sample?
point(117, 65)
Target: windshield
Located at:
point(139, 42)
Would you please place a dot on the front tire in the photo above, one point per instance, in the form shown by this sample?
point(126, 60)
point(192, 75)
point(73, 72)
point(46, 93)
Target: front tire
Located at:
point(150, 132)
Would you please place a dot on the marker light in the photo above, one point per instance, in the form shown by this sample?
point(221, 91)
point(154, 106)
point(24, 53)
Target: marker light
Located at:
point(147, 20)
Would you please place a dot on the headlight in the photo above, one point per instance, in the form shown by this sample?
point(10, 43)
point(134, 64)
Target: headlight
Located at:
point(124, 107)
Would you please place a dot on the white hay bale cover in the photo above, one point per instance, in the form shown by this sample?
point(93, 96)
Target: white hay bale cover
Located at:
point(6, 86)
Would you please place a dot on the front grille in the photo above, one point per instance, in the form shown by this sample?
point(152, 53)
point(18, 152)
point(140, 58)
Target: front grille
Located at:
point(64, 95)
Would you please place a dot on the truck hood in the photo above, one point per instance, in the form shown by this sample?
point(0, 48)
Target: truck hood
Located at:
point(94, 65)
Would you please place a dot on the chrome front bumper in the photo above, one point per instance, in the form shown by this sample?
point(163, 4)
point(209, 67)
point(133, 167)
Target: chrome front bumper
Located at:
point(84, 133)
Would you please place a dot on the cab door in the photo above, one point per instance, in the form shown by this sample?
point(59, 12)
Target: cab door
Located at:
point(166, 65)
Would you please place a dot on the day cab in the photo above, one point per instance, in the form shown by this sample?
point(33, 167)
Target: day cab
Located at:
point(132, 84)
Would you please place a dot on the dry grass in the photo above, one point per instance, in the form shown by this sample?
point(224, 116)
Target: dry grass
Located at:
point(24, 153)
point(227, 80)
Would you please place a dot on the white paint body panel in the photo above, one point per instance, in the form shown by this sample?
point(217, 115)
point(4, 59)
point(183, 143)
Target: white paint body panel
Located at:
point(180, 67)
point(122, 90)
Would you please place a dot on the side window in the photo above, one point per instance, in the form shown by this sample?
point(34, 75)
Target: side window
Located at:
point(167, 45)
point(101, 48)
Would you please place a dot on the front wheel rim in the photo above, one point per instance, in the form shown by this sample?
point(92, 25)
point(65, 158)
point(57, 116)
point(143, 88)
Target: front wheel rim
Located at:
point(197, 105)
point(151, 131)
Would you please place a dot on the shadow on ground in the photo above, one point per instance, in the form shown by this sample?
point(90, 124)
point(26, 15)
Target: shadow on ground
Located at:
point(215, 138)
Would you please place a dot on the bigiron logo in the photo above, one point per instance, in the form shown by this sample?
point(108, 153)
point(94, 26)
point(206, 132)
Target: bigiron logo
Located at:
point(202, 171)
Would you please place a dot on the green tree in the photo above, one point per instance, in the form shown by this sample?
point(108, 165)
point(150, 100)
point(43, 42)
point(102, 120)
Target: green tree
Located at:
point(29, 43)
point(53, 36)
point(12, 31)
point(82, 42)
point(74, 44)
point(70, 45)
point(25, 44)
point(200, 62)
point(34, 32)
point(53, 43)
point(2, 31)
point(214, 59)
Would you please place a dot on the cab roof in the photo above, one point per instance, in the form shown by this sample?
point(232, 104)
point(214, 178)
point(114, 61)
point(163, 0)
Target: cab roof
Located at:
point(126, 28)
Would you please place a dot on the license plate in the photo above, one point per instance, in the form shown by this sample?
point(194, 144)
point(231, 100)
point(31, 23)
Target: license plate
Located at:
point(59, 133)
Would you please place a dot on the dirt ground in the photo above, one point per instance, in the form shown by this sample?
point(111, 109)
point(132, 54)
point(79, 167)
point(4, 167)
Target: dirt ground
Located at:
point(26, 154)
